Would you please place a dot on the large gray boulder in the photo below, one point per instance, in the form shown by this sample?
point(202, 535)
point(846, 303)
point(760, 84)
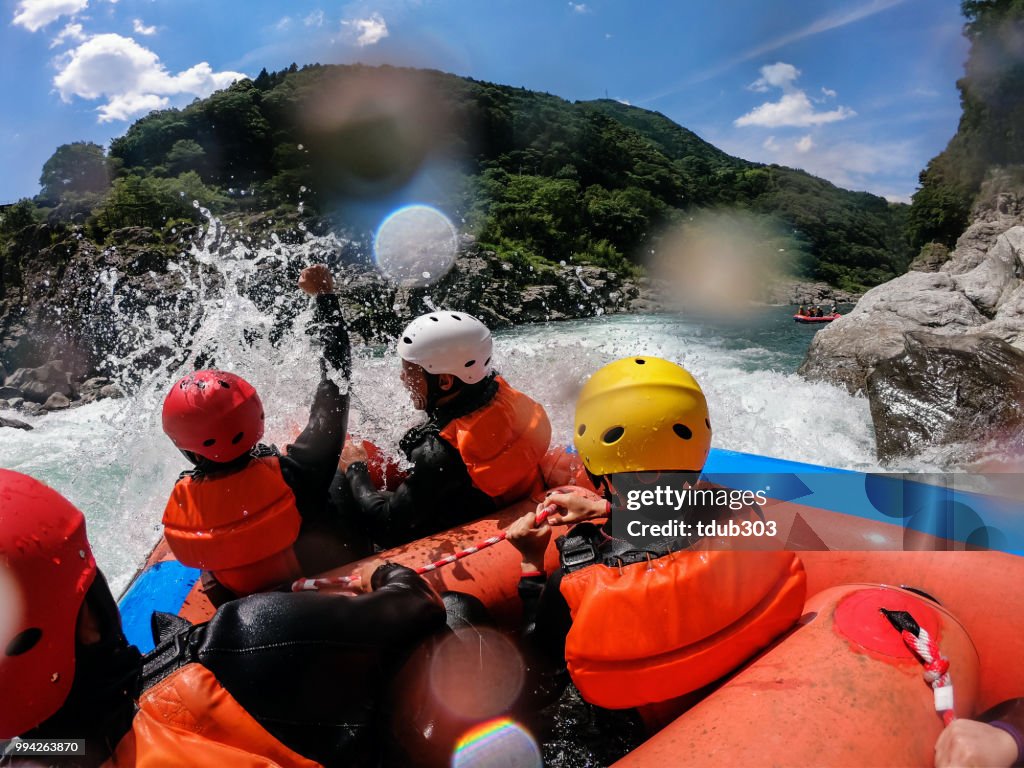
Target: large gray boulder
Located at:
point(847, 350)
point(944, 390)
point(979, 289)
point(996, 277)
point(38, 384)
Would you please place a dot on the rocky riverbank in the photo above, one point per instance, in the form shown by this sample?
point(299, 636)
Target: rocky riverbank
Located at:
point(81, 321)
point(937, 345)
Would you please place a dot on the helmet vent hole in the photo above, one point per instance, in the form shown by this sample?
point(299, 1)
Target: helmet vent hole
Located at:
point(435, 318)
point(237, 438)
point(487, 361)
point(208, 443)
point(225, 384)
point(708, 422)
point(470, 363)
point(407, 340)
point(612, 435)
point(640, 361)
point(682, 431)
point(23, 642)
point(581, 429)
point(457, 318)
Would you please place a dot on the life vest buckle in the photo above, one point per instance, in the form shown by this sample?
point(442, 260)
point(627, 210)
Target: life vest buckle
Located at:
point(579, 548)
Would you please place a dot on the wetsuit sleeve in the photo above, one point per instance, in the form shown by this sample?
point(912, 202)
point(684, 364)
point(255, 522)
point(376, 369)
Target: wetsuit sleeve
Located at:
point(315, 669)
point(429, 498)
point(1009, 716)
point(330, 326)
point(311, 461)
point(546, 623)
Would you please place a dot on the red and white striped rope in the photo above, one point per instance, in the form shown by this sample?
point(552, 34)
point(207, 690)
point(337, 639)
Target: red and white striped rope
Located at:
point(306, 585)
point(936, 670)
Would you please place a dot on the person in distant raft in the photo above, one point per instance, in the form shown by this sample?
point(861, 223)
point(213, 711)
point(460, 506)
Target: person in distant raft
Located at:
point(250, 517)
point(479, 450)
point(285, 680)
point(645, 415)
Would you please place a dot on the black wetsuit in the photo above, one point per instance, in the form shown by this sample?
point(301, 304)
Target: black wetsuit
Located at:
point(310, 463)
point(314, 670)
point(438, 492)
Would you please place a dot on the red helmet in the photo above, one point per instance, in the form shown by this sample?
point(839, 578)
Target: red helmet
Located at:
point(214, 414)
point(46, 567)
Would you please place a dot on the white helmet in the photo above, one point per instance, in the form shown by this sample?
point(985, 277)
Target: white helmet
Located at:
point(448, 342)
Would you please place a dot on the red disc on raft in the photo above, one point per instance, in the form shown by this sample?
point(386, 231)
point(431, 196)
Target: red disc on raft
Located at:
point(859, 619)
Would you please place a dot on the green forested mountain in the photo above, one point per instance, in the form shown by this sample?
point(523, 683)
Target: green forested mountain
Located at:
point(534, 176)
point(991, 130)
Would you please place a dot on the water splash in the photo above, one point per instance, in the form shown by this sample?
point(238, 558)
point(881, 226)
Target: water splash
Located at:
point(236, 309)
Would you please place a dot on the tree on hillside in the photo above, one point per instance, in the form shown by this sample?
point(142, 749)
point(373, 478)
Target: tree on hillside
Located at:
point(186, 155)
point(991, 130)
point(75, 168)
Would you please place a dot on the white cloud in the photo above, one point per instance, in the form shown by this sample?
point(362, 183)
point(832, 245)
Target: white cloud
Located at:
point(771, 144)
point(315, 19)
point(804, 144)
point(283, 24)
point(368, 31)
point(793, 108)
point(130, 77)
point(142, 29)
point(828, 93)
point(778, 75)
point(36, 14)
point(579, 7)
point(71, 32)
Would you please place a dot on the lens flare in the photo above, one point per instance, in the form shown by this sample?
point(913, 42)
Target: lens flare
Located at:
point(415, 246)
point(718, 262)
point(476, 673)
point(497, 744)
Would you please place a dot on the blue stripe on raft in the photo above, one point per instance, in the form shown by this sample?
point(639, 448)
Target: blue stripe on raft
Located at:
point(734, 462)
point(161, 587)
point(936, 509)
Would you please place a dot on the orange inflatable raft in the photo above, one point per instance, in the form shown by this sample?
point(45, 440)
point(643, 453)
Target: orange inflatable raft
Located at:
point(838, 689)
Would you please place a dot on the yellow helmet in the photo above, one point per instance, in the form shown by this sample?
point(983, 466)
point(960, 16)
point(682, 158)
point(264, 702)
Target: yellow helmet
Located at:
point(642, 414)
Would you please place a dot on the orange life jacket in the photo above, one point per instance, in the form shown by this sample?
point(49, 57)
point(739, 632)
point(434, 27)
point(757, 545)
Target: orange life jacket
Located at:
point(502, 444)
point(651, 631)
point(189, 719)
point(239, 526)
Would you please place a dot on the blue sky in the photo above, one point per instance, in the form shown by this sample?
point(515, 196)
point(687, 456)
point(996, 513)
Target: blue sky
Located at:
point(861, 92)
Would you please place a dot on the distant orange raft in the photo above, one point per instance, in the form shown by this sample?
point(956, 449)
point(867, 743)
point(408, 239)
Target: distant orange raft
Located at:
point(820, 319)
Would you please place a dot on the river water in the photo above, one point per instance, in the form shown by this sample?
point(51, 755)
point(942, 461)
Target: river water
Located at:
point(112, 459)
